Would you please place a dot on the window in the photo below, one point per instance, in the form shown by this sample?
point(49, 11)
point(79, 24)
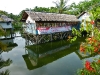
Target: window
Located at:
point(8, 23)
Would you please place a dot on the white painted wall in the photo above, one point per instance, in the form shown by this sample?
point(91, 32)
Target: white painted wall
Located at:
point(30, 26)
point(84, 16)
point(29, 20)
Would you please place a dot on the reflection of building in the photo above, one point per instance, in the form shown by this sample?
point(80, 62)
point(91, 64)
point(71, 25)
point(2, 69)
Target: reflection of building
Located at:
point(43, 27)
point(42, 55)
point(7, 41)
point(10, 43)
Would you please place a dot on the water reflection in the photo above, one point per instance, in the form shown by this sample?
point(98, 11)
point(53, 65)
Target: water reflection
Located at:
point(9, 42)
point(43, 54)
point(4, 63)
point(84, 56)
point(53, 58)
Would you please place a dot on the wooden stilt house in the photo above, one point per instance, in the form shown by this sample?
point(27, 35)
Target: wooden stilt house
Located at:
point(42, 27)
point(6, 24)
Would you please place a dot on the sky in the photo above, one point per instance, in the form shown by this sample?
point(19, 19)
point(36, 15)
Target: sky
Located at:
point(16, 6)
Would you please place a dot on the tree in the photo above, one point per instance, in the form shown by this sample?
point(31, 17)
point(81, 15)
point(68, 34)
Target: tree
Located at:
point(52, 9)
point(90, 47)
point(86, 5)
point(41, 9)
point(61, 5)
point(4, 63)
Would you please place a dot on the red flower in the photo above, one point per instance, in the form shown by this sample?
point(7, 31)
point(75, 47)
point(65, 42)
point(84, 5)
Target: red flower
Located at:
point(92, 22)
point(89, 39)
point(82, 49)
point(94, 41)
point(95, 49)
point(90, 42)
point(88, 66)
point(98, 61)
point(99, 45)
point(98, 52)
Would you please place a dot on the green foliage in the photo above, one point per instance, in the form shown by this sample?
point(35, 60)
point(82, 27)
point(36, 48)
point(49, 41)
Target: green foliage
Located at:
point(89, 47)
point(5, 72)
point(87, 5)
point(90, 68)
point(4, 63)
point(3, 46)
point(44, 9)
point(2, 32)
point(11, 45)
point(73, 39)
point(76, 32)
point(16, 23)
point(3, 12)
point(41, 9)
point(61, 5)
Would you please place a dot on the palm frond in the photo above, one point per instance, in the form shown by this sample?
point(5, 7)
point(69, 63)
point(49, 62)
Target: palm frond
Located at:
point(5, 72)
point(61, 5)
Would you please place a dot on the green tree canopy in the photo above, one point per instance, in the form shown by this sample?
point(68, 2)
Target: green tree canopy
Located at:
point(61, 5)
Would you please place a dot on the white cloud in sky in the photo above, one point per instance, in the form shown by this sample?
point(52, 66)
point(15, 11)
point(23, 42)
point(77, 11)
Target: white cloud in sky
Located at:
point(16, 6)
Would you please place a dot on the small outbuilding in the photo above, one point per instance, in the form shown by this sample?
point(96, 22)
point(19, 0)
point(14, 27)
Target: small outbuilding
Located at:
point(48, 26)
point(6, 24)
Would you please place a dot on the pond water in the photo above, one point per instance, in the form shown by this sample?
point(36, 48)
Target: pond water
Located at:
point(26, 62)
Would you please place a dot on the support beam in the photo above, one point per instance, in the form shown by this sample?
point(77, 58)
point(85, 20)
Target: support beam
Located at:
point(38, 39)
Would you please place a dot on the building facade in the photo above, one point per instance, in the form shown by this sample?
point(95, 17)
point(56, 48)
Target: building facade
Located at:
point(6, 25)
point(50, 25)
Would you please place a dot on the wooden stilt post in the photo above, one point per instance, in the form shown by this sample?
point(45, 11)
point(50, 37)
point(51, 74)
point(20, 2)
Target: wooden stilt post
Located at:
point(5, 34)
point(11, 33)
point(61, 35)
point(37, 39)
point(51, 37)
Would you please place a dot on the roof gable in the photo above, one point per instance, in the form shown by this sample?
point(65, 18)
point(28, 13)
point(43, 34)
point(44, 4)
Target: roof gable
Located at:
point(82, 14)
point(4, 18)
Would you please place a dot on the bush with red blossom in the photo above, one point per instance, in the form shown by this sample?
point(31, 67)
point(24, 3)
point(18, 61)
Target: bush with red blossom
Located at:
point(91, 46)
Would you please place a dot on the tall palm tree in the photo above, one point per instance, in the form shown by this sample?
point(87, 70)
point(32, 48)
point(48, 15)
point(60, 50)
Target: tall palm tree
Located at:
point(61, 5)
